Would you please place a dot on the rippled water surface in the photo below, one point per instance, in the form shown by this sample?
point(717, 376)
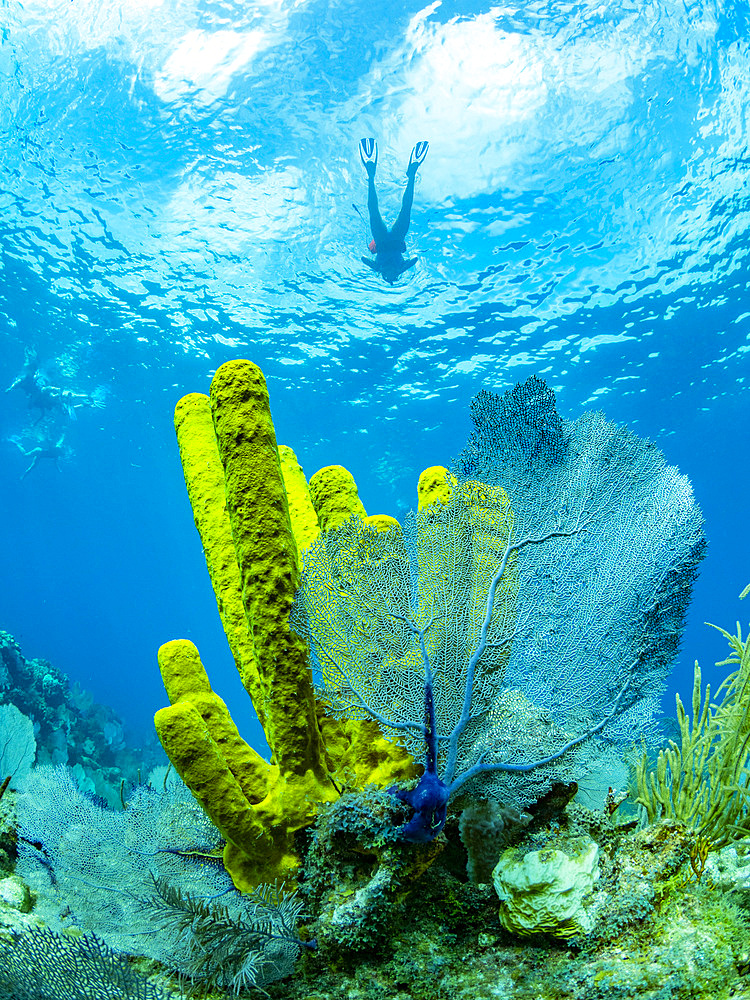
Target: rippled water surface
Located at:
point(180, 185)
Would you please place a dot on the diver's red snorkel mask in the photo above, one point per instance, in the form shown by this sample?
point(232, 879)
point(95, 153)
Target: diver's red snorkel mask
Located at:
point(371, 247)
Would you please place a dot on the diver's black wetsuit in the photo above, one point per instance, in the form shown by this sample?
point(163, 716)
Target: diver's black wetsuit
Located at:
point(390, 245)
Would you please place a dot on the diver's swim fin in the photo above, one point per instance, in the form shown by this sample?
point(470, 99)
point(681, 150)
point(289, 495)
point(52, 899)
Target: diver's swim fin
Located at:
point(368, 152)
point(417, 155)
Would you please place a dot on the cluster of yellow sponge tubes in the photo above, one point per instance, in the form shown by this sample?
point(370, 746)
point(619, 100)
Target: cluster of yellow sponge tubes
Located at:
point(256, 515)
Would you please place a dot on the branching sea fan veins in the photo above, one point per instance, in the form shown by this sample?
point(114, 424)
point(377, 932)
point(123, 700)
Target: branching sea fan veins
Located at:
point(514, 629)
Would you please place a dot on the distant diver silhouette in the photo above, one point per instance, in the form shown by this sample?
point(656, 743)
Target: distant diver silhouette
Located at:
point(28, 378)
point(45, 397)
point(40, 394)
point(52, 397)
point(389, 245)
point(46, 449)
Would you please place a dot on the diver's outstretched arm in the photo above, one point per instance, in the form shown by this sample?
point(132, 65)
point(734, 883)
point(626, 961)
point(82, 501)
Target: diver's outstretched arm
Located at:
point(18, 445)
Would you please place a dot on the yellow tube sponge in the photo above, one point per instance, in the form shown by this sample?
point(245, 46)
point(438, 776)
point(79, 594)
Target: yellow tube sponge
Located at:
point(199, 762)
point(267, 558)
point(255, 515)
point(358, 749)
point(186, 680)
point(204, 478)
point(225, 775)
point(435, 486)
point(449, 514)
point(490, 510)
point(382, 522)
point(335, 497)
point(255, 808)
point(255, 852)
point(302, 516)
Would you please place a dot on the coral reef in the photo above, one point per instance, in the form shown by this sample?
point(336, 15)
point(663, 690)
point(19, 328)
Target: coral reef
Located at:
point(70, 727)
point(438, 670)
point(653, 924)
point(486, 827)
point(358, 877)
point(510, 636)
point(655, 932)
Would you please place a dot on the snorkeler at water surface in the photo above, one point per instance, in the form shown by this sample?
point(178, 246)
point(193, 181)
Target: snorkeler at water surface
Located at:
point(389, 245)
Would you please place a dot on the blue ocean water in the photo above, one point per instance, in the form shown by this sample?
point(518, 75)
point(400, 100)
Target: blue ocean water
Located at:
point(180, 185)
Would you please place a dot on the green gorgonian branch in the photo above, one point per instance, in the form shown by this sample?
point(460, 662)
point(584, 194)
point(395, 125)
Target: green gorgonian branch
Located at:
point(704, 782)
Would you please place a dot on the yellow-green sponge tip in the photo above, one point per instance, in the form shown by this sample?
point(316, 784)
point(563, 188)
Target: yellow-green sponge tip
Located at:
point(435, 486)
point(382, 522)
point(181, 669)
point(335, 497)
point(185, 679)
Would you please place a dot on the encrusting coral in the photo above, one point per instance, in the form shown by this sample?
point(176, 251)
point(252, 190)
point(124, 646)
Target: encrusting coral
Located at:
point(545, 891)
point(253, 512)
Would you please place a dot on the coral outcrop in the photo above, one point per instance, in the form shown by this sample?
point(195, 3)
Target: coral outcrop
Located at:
point(424, 632)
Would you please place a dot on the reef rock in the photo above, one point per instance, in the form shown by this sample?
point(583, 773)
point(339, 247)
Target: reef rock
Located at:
point(546, 891)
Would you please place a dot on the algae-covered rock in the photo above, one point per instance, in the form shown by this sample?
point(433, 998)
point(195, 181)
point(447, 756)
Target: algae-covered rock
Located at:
point(359, 879)
point(547, 891)
point(15, 894)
